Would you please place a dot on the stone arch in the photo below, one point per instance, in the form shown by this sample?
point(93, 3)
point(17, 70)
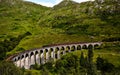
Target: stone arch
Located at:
point(84, 46)
point(73, 48)
point(78, 47)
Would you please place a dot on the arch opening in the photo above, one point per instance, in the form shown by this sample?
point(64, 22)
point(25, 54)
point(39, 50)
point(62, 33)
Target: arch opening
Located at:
point(73, 48)
point(56, 50)
point(62, 49)
point(41, 51)
point(15, 59)
point(67, 48)
point(18, 58)
point(31, 53)
point(78, 47)
point(26, 55)
point(84, 47)
point(36, 52)
point(22, 56)
point(90, 46)
point(96, 46)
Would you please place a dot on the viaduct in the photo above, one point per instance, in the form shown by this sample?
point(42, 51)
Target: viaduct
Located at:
point(42, 55)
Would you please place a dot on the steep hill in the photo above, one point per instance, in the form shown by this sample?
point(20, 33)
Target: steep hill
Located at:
point(90, 18)
point(66, 22)
point(18, 17)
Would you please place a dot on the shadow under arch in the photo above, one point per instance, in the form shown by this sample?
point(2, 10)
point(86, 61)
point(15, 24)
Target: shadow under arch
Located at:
point(96, 46)
point(18, 58)
point(22, 56)
point(36, 52)
point(62, 50)
point(78, 47)
point(56, 50)
point(26, 55)
point(15, 59)
point(90, 46)
point(67, 49)
point(73, 48)
point(84, 47)
point(31, 54)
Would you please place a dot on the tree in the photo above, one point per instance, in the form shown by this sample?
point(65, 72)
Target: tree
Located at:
point(104, 66)
point(90, 66)
point(82, 60)
point(8, 68)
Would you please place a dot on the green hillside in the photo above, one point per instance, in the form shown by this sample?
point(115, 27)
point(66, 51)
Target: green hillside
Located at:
point(26, 25)
point(18, 17)
point(66, 22)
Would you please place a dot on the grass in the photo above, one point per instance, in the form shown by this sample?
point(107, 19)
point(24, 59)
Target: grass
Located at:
point(112, 56)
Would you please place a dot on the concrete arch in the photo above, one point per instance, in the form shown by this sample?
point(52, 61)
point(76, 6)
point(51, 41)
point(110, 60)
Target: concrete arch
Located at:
point(73, 48)
point(15, 59)
point(22, 61)
point(26, 66)
point(37, 57)
point(26, 55)
point(32, 59)
point(51, 51)
point(32, 53)
point(62, 51)
point(57, 52)
point(36, 52)
point(22, 56)
point(96, 46)
point(90, 46)
point(18, 62)
point(41, 51)
point(79, 47)
point(68, 49)
point(40, 56)
point(46, 55)
point(84, 46)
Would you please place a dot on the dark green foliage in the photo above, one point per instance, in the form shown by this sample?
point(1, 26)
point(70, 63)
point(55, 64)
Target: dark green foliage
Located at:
point(82, 60)
point(90, 66)
point(8, 68)
point(112, 39)
point(9, 45)
point(104, 66)
point(69, 64)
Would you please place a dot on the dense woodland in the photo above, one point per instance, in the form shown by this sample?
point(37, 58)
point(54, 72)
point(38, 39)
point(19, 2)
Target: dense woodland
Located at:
point(25, 25)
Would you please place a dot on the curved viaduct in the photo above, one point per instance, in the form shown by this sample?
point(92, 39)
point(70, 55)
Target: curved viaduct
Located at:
point(42, 55)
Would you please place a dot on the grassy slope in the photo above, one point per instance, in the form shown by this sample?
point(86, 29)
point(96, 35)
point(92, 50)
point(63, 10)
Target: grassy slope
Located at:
point(66, 22)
